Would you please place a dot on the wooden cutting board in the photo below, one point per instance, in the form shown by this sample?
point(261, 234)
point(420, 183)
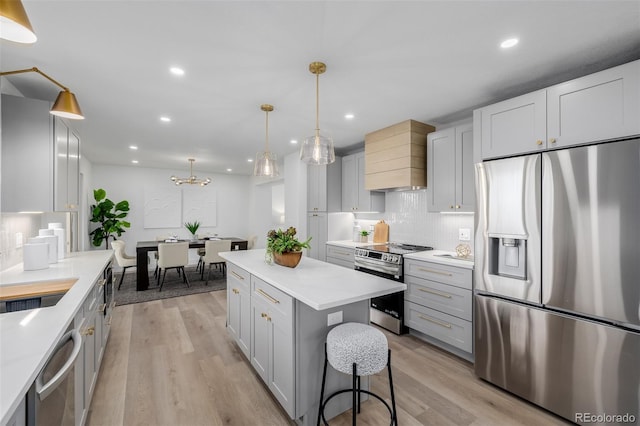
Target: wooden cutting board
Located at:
point(381, 232)
point(36, 289)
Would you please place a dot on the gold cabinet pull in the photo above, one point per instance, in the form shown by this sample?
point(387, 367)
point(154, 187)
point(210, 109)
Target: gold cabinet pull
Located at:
point(235, 290)
point(451, 206)
point(539, 142)
point(457, 206)
point(552, 140)
point(433, 271)
point(263, 315)
point(437, 293)
point(109, 320)
point(238, 276)
point(102, 308)
point(89, 331)
point(271, 299)
point(101, 282)
point(435, 321)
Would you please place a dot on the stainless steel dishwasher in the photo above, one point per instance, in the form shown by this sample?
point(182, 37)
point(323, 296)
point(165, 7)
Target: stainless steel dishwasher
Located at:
point(51, 399)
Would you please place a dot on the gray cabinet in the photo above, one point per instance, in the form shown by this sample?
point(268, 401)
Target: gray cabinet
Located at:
point(239, 307)
point(324, 187)
point(515, 126)
point(450, 170)
point(40, 158)
point(355, 198)
point(600, 106)
point(438, 304)
point(317, 228)
point(272, 344)
point(341, 256)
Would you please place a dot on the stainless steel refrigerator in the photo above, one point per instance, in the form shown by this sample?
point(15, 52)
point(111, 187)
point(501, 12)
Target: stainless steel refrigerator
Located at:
point(557, 280)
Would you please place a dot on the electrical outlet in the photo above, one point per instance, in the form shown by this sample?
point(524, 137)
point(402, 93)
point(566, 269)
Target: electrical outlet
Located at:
point(464, 234)
point(334, 318)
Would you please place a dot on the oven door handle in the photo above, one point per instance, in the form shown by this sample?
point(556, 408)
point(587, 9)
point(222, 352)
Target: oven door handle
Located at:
point(376, 266)
point(45, 389)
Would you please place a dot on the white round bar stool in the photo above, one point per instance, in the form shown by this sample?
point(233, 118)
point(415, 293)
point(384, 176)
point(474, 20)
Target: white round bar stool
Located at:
point(359, 350)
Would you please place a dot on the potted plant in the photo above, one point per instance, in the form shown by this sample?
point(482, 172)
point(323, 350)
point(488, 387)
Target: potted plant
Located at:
point(364, 236)
point(109, 215)
point(284, 247)
point(193, 228)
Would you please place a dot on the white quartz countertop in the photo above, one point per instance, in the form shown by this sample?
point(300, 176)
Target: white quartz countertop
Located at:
point(347, 243)
point(25, 345)
point(318, 284)
point(436, 256)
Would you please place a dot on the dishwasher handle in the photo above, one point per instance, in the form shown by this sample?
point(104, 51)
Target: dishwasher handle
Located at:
point(43, 390)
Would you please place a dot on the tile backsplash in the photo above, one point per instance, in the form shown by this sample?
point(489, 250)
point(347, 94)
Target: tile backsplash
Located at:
point(410, 221)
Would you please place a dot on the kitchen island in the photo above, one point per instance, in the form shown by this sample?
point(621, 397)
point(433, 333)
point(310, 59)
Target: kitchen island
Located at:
point(28, 338)
point(280, 318)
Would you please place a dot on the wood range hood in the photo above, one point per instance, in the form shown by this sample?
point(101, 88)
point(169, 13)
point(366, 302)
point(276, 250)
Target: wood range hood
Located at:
point(396, 157)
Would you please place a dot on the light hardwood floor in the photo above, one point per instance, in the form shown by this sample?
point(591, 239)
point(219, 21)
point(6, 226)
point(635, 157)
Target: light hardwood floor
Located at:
point(171, 362)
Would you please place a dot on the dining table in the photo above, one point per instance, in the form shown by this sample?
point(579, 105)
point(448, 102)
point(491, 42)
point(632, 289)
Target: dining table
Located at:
point(144, 247)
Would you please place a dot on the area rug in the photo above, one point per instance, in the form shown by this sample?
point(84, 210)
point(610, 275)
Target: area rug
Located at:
point(173, 286)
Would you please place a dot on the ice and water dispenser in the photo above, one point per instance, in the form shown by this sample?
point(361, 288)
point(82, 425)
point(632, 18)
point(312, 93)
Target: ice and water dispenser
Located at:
point(508, 257)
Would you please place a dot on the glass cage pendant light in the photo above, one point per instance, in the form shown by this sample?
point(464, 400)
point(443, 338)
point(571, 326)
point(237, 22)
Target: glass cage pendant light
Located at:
point(317, 149)
point(266, 161)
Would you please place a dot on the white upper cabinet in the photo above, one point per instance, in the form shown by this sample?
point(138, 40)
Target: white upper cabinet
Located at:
point(355, 198)
point(514, 126)
point(451, 184)
point(600, 106)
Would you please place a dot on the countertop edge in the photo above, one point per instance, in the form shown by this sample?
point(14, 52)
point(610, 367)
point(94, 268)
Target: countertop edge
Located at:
point(432, 256)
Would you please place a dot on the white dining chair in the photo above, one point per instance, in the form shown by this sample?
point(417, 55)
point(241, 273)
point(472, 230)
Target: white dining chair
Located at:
point(211, 256)
point(172, 256)
point(122, 258)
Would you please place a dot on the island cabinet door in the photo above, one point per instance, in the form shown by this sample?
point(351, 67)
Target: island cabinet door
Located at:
point(259, 338)
point(239, 307)
point(272, 342)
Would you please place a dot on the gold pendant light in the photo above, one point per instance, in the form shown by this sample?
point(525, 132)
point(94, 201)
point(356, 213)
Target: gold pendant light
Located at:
point(14, 22)
point(317, 149)
point(266, 161)
point(66, 105)
point(191, 180)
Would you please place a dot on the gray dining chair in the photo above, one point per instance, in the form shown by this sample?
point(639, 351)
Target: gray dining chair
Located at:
point(122, 258)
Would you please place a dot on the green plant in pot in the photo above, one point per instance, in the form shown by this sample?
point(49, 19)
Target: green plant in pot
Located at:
point(284, 247)
point(109, 216)
point(364, 236)
point(193, 228)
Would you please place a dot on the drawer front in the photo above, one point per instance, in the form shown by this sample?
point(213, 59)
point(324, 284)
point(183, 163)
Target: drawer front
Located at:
point(341, 262)
point(276, 300)
point(449, 329)
point(459, 277)
point(343, 253)
point(445, 298)
point(238, 277)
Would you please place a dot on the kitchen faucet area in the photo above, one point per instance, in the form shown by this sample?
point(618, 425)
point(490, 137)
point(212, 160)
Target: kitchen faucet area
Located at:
point(319, 212)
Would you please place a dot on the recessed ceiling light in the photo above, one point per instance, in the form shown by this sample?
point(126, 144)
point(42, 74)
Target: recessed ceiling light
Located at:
point(229, 170)
point(349, 116)
point(133, 147)
point(165, 119)
point(294, 141)
point(176, 71)
point(134, 161)
point(509, 43)
point(250, 160)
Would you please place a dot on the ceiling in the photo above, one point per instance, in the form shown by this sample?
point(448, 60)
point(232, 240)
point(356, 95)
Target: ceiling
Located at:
point(387, 61)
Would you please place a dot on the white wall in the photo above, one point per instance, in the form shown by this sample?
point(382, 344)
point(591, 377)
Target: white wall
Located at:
point(233, 194)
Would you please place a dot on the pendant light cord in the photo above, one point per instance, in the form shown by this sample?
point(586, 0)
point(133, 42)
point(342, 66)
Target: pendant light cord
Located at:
point(267, 131)
point(317, 108)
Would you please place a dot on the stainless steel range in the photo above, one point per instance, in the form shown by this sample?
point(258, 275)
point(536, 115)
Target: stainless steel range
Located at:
point(386, 260)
